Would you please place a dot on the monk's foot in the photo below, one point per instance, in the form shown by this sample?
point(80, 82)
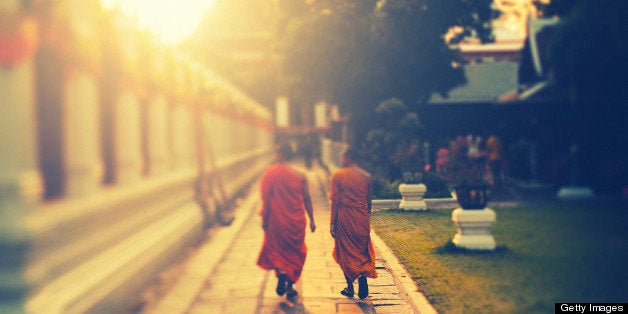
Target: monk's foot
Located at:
point(363, 291)
point(347, 293)
point(290, 292)
point(281, 284)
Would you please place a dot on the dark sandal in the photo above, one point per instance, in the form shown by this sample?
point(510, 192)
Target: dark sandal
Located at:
point(291, 293)
point(347, 293)
point(281, 284)
point(363, 291)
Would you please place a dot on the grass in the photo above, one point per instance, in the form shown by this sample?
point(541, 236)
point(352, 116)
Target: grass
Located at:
point(547, 253)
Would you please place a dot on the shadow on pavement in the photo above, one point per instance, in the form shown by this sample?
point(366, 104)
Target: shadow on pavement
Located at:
point(365, 305)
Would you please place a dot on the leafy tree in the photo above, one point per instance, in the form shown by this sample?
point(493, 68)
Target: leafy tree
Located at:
point(393, 144)
point(358, 53)
point(587, 58)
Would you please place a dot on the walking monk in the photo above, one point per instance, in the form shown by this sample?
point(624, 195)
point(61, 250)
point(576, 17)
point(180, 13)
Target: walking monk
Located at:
point(285, 200)
point(350, 195)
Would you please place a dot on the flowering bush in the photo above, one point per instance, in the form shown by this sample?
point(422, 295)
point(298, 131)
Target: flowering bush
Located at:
point(463, 163)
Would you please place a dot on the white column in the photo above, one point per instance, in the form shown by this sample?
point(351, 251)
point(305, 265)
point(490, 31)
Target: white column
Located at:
point(80, 125)
point(127, 138)
point(320, 115)
point(157, 137)
point(80, 132)
point(282, 112)
point(190, 137)
point(181, 131)
point(20, 180)
point(217, 138)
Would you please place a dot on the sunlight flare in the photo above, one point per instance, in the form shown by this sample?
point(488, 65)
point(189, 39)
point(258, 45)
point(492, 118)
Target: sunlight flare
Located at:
point(171, 20)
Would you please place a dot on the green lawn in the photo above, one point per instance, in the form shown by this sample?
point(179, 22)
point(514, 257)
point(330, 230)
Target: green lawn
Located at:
point(546, 253)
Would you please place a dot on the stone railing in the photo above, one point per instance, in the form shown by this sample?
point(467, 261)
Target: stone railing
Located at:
point(104, 140)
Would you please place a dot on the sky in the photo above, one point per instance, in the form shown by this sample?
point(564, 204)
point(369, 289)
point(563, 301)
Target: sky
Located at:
point(171, 20)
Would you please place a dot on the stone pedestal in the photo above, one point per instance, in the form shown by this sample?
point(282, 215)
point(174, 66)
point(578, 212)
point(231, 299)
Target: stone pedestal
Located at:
point(474, 228)
point(575, 193)
point(412, 196)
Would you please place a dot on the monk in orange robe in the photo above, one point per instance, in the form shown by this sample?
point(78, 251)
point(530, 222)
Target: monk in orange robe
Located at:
point(285, 200)
point(350, 195)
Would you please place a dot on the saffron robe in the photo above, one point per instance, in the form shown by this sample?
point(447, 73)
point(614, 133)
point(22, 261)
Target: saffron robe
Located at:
point(283, 206)
point(350, 193)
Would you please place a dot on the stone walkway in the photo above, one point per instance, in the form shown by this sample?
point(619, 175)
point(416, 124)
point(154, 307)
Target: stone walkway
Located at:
point(221, 275)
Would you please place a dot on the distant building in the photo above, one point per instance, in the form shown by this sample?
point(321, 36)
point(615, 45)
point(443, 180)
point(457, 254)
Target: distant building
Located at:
point(534, 77)
point(510, 70)
point(491, 71)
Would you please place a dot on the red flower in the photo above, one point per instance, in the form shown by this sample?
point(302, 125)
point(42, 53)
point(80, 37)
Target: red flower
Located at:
point(464, 163)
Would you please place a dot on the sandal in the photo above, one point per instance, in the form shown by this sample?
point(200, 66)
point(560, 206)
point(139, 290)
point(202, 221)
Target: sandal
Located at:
point(281, 284)
point(291, 293)
point(363, 291)
point(347, 293)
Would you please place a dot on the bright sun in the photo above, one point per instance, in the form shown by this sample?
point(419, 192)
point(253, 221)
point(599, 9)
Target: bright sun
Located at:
point(172, 20)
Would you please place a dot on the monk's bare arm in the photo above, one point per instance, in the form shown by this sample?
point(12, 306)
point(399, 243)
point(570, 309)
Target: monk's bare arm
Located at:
point(308, 205)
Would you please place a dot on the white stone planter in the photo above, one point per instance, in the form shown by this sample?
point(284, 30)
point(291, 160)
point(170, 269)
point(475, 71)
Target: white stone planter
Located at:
point(474, 227)
point(412, 196)
point(575, 193)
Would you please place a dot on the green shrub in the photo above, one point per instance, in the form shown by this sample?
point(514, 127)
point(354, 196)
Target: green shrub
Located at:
point(436, 187)
point(384, 189)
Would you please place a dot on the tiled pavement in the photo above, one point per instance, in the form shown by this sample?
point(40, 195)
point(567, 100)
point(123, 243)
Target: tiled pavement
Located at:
point(221, 275)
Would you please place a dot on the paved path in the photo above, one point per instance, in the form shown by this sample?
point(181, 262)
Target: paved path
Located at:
point(221, 275)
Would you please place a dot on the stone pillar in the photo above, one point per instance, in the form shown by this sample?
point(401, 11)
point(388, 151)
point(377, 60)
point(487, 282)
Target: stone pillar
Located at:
point(181, 127)
point(474, 228)
point(81, 134)
point(80, 101)
point(217, 127)
point(127, 141)
point(157, 135)
point(282, 112)
point(20, 180)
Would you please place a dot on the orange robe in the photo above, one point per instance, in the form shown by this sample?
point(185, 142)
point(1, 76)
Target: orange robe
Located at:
point(283, 206)
point(350, 194)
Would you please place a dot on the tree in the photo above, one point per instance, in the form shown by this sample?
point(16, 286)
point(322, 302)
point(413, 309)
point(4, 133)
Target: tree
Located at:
point(358, 53)
point(587, 58)
point(394, 144)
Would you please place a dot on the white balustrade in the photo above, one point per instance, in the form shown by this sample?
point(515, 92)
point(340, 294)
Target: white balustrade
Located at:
point(100, 244)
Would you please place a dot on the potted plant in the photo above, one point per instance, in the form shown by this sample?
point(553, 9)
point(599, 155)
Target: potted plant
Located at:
point(412, 190)
point(466, 169)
